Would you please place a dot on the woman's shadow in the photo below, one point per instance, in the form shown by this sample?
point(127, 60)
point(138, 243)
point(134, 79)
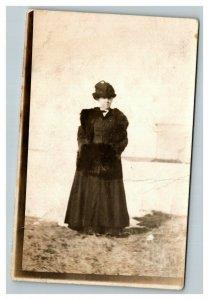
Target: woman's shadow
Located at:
point(148, 222)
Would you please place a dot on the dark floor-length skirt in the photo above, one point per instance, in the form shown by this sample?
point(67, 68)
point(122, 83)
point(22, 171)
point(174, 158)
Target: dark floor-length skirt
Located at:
point(96, 203)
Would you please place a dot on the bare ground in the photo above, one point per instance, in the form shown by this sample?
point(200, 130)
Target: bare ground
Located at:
point(154, 247)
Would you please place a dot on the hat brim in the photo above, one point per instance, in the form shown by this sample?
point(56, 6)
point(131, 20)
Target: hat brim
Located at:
point(97, 96)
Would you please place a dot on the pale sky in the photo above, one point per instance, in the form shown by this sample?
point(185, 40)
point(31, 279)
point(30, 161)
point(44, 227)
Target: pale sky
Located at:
point(150, 61)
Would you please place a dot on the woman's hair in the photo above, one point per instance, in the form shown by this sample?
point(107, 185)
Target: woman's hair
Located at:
point(103, 90)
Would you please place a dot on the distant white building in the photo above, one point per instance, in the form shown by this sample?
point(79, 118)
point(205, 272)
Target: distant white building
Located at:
point(173, 142)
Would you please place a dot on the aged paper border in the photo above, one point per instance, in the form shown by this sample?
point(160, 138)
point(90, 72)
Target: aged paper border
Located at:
point(18, 234)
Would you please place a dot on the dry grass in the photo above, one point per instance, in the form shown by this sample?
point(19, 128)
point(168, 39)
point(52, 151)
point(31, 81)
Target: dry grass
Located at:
point(155, 247)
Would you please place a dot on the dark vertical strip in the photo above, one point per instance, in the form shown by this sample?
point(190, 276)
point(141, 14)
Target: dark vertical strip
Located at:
point(191, 161)
point(24, 118)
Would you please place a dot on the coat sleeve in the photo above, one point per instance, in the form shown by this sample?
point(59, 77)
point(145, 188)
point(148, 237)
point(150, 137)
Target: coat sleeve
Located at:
point(81, 137)
point(121, 137)
point(81, 134)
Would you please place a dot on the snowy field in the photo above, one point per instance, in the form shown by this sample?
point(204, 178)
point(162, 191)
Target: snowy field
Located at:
point(149, 186)
point(157, 199)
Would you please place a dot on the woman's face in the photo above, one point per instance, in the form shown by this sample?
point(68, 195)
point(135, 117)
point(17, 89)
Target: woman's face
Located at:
point(105, 102)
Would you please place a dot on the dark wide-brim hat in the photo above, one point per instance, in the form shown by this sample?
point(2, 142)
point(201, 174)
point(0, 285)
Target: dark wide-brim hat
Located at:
point(103, 90)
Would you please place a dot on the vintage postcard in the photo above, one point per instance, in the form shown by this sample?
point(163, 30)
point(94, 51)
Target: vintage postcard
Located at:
point(105, 147)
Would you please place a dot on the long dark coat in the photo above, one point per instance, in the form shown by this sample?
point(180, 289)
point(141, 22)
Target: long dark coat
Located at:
point(97, 199)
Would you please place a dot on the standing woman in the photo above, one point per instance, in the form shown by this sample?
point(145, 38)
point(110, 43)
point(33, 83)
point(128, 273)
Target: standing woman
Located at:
point(97, 202)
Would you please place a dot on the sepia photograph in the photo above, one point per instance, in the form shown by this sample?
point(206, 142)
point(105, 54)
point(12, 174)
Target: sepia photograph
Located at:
point(105, 148)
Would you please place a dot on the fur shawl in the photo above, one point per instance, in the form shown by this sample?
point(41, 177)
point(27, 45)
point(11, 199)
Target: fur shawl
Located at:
point(101, 159)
